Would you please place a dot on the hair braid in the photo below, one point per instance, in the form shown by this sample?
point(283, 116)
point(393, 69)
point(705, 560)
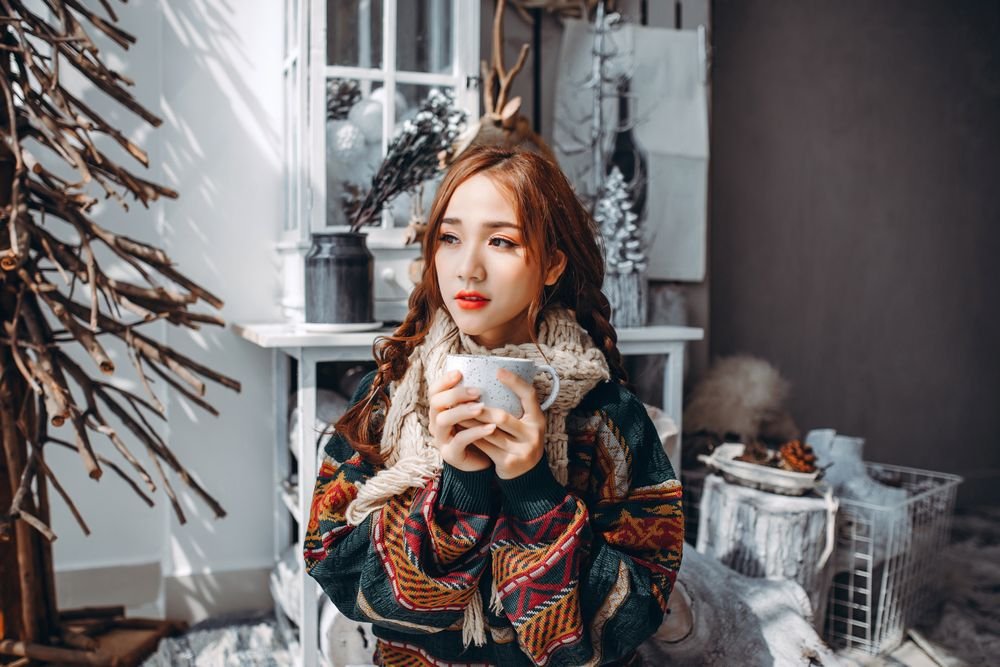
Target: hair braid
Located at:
point(362, 424)
point(594, 314)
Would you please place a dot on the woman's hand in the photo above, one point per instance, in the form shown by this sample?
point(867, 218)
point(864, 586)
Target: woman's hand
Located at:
point(517, 445)
point(449, 406)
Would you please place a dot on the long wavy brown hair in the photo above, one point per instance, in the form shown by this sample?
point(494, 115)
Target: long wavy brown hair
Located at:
point(551, 218)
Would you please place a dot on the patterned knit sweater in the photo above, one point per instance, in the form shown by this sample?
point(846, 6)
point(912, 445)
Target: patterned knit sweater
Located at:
point(583, 571)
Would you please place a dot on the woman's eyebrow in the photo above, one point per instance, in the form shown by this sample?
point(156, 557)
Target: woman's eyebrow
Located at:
point(491, 224)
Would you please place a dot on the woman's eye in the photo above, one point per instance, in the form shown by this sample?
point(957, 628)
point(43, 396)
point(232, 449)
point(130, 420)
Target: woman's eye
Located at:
point(501, 242)
point(448, 238)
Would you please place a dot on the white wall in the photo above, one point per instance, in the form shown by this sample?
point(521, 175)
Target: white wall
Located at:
point(212, 71)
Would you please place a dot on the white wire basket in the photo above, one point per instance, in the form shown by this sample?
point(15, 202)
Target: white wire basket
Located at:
point(692, 485)
point(884, 559)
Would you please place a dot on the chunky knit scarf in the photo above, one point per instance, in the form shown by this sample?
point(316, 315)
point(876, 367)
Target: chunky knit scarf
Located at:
point(408, 448)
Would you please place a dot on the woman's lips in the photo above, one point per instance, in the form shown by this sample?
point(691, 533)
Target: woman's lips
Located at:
point(466, 303)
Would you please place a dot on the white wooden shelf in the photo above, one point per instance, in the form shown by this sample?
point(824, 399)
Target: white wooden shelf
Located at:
point(291, 334)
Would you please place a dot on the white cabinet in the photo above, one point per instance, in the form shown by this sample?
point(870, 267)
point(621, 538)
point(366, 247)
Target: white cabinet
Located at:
point(288, 341)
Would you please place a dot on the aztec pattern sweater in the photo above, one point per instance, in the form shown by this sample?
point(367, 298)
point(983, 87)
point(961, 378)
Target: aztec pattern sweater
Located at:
point(583, 572)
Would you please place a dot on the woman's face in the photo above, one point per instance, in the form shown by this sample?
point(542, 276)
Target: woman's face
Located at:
point(482, 268)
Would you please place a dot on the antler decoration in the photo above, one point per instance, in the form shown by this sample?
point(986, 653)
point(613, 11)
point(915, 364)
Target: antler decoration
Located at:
point(48, 249)
point(495, 107)
point(501, 124)
point(567, 9)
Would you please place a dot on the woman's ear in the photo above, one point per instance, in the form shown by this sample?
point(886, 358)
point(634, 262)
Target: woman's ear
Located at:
point(556, 268)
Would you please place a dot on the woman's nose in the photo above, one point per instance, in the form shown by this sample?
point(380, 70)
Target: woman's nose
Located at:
point(470, 266)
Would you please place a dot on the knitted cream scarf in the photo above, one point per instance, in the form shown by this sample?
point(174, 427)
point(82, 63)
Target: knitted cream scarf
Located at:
point(408, 448)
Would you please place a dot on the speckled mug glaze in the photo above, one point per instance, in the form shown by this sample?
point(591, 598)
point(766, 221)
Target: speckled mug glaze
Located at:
point(480, 371)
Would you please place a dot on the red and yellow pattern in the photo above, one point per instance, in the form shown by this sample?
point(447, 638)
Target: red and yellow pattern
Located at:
point(402, 654)
point(399, 533)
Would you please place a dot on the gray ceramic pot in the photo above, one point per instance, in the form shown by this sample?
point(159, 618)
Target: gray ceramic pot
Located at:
point(339, 279)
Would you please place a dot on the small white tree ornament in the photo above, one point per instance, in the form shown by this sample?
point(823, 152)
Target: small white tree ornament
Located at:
point(625, 282)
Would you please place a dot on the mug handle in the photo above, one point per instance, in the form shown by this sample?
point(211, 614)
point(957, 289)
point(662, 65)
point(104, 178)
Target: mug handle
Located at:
point(555, 386)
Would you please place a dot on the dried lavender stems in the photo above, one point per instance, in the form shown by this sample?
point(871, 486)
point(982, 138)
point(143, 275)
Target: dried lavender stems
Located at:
point(416, 154)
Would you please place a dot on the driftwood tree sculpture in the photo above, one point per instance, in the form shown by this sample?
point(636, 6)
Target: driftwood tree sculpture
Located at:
point(55, 296)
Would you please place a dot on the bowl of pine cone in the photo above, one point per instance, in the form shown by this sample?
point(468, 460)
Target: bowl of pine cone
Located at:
point(790, 470)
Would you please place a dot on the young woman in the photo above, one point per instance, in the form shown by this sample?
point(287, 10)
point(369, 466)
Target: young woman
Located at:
point(467, 536)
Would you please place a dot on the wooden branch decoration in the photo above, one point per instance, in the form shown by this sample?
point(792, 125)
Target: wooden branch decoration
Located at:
point(494, 106)
point(501, 123)
point(55, 295)
point(565, 9)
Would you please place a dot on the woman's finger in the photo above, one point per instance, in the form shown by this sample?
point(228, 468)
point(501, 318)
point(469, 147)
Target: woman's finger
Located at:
point(451, 397)
point(466, 437)
point(495, 452)
point(441, 384)
point(446, 381)
point(524, 390)
point(505, 421)
point(500, 440)
point(460, 413)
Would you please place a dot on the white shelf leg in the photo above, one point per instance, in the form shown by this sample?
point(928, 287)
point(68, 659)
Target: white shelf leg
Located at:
point(305, 444)
point(282, 521)
point(673, 388)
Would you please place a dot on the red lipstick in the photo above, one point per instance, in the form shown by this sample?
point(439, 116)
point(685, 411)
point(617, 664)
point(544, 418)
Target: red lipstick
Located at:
point(471, 300)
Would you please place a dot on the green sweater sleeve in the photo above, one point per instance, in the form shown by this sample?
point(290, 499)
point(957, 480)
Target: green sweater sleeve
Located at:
point(435, 537)
point(580, 577)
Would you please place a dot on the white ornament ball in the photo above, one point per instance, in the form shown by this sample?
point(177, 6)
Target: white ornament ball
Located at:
point(401, 208)
point(373, 158)
point(345, 141)
point(379, 96)
point(367, 115)
point(362, 170)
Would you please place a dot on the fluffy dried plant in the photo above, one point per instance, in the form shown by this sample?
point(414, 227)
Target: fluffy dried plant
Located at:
point(421, 148)
point(742, 396)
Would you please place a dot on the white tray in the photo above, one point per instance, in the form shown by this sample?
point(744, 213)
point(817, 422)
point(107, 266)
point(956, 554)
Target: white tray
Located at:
point(757, 476)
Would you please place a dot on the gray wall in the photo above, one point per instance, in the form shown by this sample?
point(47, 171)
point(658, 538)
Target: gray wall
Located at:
point(855, 221)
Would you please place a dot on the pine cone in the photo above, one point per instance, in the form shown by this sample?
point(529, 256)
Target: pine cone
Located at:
point(797, 457)
point(341, 95)
point(755, 452)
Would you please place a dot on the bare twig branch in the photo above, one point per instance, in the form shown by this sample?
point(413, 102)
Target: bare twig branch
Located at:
point(37, 43)
point(65, 496)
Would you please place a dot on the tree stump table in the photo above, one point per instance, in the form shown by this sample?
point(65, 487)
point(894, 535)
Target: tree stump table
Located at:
point(763, 534)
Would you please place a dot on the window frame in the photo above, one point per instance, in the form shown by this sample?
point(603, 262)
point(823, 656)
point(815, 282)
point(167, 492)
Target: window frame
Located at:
point(462, 79)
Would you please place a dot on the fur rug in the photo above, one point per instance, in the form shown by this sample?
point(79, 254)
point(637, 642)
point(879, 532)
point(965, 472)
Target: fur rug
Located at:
point(249, 639)
point(966, 620)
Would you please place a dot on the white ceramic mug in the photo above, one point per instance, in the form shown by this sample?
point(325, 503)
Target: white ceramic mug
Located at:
point(480, 371)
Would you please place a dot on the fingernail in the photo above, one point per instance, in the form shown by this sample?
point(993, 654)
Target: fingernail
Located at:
point(454, 374)
point(472, 391)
